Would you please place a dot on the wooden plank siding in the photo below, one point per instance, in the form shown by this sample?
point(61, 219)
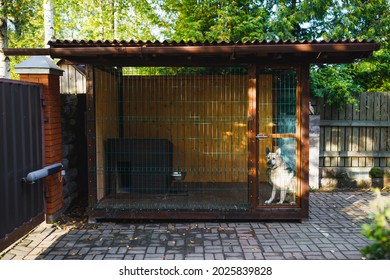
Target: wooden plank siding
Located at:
point(73, 80)
point(356, 136)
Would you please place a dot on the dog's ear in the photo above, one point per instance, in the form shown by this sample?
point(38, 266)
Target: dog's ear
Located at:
point(267, 151)
point(278, 152)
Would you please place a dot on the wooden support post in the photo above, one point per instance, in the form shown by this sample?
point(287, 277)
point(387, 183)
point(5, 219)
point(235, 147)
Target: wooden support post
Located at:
point(91, 138)
point(303, 112)
point(252, 144)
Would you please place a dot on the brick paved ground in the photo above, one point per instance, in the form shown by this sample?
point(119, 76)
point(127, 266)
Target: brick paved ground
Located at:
point(332, 232)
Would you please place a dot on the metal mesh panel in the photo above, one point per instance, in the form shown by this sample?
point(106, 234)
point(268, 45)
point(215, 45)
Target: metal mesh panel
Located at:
point(171, 139)
point(277, 142)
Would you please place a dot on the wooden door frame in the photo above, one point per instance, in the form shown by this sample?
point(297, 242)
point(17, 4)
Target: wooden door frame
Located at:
point(302, 137)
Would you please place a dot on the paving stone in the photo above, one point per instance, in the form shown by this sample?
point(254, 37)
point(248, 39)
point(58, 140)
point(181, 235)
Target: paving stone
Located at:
point(129, 257)
point(258, 256)
point(21, 250)
point(114, 256)
point(169, 257)
point(236, 256)
point(31, 257)
point(209, 257)
point(249, 256)
point(154, 257)
point(329, 233)
point(99, 257)
point(49, 257)
point(151, 250)
point(214, 249)
point(273, 256)
point(267, 249)
point(199, 249)
point(84, 251)
point(139, 256)
point(316, 257)
point(216, 242)
point(73, 252)
point(329, 255)
point(194, 257)
point(179, 256)
point(288, 256)
point(277, 248)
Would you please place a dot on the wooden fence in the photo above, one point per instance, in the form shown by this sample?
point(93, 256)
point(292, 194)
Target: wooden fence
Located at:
point(355, 138)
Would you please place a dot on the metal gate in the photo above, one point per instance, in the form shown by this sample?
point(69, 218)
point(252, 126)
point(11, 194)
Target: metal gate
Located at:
point(21, 205)
point(277, 144)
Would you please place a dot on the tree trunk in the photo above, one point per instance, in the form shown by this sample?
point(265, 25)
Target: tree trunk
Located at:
point(48, 21)
point(115, 19)
point(4, 61)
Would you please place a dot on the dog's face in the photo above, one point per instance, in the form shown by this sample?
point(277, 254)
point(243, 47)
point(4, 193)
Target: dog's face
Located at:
point(274, 160)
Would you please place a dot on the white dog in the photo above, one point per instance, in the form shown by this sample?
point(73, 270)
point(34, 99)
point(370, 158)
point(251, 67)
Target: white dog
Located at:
point(281, 177)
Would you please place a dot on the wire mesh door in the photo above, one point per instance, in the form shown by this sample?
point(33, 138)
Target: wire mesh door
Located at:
point(171, 139)
point(277, 168)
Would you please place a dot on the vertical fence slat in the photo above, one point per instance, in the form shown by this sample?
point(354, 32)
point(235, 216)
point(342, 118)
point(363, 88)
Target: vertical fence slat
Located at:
point(342, 135)
point(334, 136)
point(363, 131)
point(387, 142)
point(348, 134)
point(377, 117)
point(384, 131)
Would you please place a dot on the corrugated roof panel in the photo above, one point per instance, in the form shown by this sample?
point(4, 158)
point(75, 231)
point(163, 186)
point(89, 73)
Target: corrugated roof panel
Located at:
point(65, 42)
point(163, 53)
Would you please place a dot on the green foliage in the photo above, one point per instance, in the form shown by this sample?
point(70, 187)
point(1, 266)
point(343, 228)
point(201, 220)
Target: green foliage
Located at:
point(20, 13)
point(295, 20)
point(215, 20)
point(224, 20)
point(104, 19)
point(25, 26)
point(335, 83)
point(369, 19)
point(376, 172)
point(374, 73)
point(378, 230)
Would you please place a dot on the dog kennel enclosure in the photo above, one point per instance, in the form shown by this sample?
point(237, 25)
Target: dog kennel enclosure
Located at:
point(183, 129)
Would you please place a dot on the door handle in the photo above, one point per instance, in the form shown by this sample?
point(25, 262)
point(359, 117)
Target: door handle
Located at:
point(261, 136)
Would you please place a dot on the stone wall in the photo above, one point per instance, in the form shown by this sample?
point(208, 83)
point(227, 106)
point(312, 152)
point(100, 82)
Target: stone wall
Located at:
point(74, 154)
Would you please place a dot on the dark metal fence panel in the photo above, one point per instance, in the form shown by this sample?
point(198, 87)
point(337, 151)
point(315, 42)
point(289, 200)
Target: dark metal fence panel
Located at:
point(21, 151)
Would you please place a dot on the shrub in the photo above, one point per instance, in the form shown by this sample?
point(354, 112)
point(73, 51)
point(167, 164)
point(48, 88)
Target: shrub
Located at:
point(376, 172)
point(378, 230)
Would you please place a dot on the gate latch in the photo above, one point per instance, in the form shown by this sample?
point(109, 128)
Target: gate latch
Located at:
point(261, 136)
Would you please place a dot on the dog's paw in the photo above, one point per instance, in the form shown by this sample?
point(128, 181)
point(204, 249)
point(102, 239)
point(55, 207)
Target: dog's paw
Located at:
point(268, 202)
point(280, 202)
point(293, 203)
